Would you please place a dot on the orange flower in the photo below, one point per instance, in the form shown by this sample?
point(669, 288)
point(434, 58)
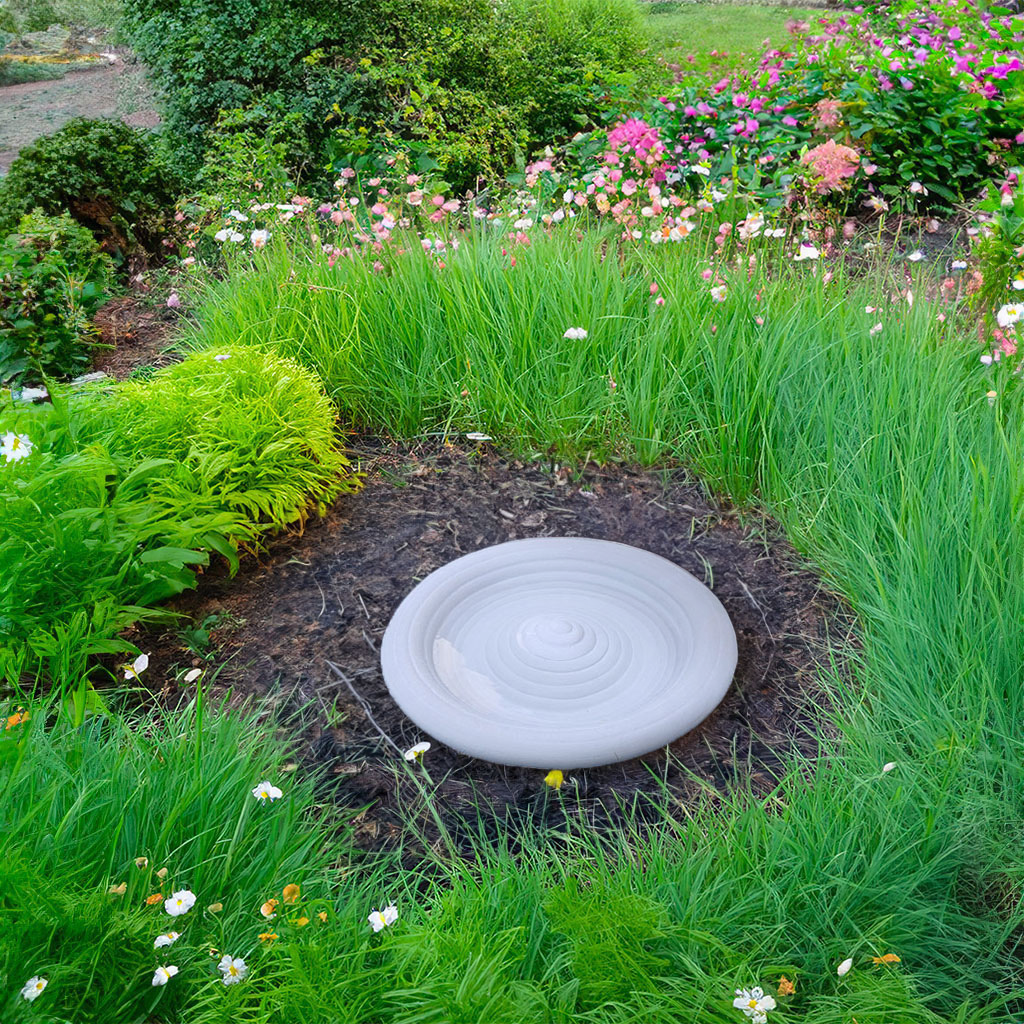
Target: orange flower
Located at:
point(19, 716)
point(268, 936)
point(269, 909)
point(786, 987)
point(301, 922)
point(888, 958)
point(290, 893)
point(155, 898)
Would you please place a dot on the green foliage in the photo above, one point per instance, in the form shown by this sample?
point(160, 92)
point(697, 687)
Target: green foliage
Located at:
point(52, 279)
point(106, 175)
point(467, 85)
point(129, 488)
point(81, 805)
point(611, 934)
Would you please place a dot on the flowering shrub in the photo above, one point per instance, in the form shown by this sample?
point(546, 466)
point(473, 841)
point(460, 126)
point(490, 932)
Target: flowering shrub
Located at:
point(933, 95)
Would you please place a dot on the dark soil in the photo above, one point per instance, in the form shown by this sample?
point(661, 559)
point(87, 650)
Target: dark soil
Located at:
point(132, 335)
point(328, 594)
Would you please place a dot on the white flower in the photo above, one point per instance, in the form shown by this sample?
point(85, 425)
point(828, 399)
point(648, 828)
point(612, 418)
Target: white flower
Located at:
point(718, 293)
point(223, 234)
point(876, 328)
point(775, 233)
point(15, 446)
point(845, 966)
point(193, 674)
point(472, 436)
point(959, 264)
point(233, 969)
point(162, 975)
point(1017, 284)
point(259, 238)
point(415, 752)
point(917, 188)
point(167, 939)
point(575, 333)
point(523, 224)
point(915, 256)
point(382, 918)
point(180, 902)
point(139, 665)
point(807, 252)
point(701, 170)
point(265, 791)
point(717, 196)
point(754, 1003)
point(1009, 314)
point(237, 215)
point(222, 357)
point(888, 767)
point(32, 394)
point(33, 987)
point(567, 196)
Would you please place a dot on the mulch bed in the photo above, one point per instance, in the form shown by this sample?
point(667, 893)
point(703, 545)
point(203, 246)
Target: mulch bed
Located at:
point(328, 594)
point(133, 335)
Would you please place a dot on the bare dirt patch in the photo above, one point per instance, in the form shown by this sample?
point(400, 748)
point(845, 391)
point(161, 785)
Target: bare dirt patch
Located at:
point(328, 595)
point(132, 335)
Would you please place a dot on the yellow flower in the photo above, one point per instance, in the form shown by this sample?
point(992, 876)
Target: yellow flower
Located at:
point(301, 922)
point(18, 718)
point(786, 987)
point(887, 958)
point(322, 915)
point(268, 910)
point(554, 779)
point(268, 936)
point(215, 908)
point(290, 893)
point(162, 874)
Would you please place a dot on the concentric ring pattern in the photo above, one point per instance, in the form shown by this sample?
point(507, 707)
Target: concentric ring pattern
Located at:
point(559, 652)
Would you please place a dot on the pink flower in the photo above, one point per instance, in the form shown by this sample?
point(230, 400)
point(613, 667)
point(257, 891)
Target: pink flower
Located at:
point(437, 201)
point(654, 288)
point(173, 301)
point(832, 164)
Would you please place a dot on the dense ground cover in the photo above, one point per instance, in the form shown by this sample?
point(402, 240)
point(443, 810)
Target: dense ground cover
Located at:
point(635, 295)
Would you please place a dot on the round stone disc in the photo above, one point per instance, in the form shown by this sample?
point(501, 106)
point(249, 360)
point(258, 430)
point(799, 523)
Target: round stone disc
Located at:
point(559, 652)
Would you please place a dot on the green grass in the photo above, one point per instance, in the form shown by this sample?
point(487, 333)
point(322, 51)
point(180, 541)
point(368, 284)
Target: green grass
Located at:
point(719, 36)
point(79, 806)
point(889, 470)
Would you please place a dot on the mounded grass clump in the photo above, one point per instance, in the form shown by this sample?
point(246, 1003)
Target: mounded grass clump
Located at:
point(129, 487)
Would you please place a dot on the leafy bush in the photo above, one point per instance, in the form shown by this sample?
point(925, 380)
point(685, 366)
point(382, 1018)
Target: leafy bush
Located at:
point(106, 175)
point(923, 96)
point(467, 84)
point(52, 278)
point(124, 491)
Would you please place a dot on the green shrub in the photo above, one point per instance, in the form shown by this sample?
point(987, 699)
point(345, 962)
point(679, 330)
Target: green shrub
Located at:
point(107, 175)
point(52, 278)
point(127, 489)
point(466, 84)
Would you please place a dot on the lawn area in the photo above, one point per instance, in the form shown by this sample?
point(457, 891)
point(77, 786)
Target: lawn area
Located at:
point(718, 36)
point(487, 272)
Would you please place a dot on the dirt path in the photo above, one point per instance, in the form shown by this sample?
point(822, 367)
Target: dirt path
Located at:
point(32, 109)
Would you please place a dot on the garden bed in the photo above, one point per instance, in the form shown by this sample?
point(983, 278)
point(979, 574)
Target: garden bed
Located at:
point(326, 597)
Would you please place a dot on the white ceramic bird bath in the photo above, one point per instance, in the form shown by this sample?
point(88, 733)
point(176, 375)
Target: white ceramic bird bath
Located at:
point(559, 652)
